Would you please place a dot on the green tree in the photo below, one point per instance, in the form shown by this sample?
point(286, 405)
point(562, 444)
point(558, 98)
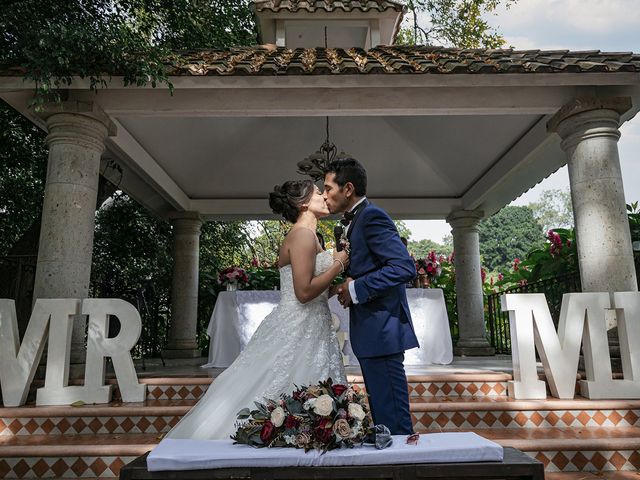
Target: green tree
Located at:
point(23, 163)
point(421, 248)
point(50, 41)
point(453, 23)
point(507, 235)
point(553, 209)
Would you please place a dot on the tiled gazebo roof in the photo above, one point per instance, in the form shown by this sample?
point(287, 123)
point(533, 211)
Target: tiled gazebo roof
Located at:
point(266, 60)
point(327, 5)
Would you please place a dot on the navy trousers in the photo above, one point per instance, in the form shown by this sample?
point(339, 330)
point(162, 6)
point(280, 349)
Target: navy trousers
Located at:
point(386, 384)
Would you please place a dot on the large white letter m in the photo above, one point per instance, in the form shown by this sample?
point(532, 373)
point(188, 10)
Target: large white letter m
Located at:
point(582, 320)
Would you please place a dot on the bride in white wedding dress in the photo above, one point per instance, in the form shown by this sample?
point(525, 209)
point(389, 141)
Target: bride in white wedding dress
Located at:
point(295, 344)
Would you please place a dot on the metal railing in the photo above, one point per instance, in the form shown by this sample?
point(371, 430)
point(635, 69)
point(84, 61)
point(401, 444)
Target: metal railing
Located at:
point(498, 321)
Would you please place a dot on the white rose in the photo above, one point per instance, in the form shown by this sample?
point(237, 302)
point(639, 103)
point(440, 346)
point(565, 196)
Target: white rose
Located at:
point(356, 411)
point(323, 405)
point(277, 417)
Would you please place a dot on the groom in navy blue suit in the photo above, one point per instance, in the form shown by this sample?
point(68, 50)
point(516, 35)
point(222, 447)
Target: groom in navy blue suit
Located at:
point(374, 291)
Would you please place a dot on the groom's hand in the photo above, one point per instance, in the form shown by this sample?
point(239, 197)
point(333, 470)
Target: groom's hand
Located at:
point(344, 297)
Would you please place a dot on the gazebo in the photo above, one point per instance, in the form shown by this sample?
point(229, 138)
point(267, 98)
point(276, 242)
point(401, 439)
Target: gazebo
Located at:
point(444, 133)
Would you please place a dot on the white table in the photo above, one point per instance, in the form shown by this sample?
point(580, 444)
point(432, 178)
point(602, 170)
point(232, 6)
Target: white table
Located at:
point(237, 314)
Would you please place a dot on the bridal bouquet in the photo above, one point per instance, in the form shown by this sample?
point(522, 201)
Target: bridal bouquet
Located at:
point(233, 275)
point(323, 417)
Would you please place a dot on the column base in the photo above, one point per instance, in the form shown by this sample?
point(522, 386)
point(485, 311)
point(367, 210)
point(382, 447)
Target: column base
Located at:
point(181, 353)
point(473, 348)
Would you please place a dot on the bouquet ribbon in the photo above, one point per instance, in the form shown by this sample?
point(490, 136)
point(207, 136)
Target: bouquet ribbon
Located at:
point(380, 437)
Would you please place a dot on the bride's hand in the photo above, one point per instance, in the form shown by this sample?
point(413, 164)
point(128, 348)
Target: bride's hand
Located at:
point(343, 257)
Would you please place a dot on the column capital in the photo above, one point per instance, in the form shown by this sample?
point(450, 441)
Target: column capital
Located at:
point(467, 219)
point(586, 104)
point(186, 222)
point(79, 108)
point(75, 122)
point(588, 117)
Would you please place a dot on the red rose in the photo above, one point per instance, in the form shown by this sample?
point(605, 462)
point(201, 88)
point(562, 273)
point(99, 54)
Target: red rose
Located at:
point(338, 389)
point(322, 431)
point(291, 422)
point(268, 429)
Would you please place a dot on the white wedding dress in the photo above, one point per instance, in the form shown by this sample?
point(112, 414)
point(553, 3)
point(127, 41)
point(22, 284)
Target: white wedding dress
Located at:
point(294, 345)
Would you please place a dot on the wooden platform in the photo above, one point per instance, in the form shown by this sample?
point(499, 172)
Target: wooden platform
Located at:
point(516, 465)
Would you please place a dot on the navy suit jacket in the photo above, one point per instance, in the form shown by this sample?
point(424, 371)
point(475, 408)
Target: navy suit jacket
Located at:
point(380, 323)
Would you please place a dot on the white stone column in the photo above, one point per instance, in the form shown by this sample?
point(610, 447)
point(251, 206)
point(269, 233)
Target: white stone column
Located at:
point(76, 142)
point(466, 247)
point(589, 131)
point(184, 290)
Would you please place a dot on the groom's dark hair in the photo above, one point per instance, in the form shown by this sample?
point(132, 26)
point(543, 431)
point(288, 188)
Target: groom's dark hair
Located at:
point(349, 170)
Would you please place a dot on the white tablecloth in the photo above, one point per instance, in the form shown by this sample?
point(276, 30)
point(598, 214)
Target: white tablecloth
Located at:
point(237, 315)
point(448, 447)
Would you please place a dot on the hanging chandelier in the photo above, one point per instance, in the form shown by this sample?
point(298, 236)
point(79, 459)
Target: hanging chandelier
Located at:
point(316, 164)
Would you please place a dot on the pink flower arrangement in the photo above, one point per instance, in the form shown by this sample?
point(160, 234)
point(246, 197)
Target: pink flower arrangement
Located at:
point(429, 266)
point(556, 243)
point(233, 275)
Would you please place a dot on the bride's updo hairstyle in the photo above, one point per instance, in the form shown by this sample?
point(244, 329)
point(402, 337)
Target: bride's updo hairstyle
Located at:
point(286, 199)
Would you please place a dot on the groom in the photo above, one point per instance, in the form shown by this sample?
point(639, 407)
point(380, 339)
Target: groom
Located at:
point(380, 267)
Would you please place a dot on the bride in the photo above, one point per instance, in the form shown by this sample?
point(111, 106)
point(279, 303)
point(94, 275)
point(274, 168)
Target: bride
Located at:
point(294, 344)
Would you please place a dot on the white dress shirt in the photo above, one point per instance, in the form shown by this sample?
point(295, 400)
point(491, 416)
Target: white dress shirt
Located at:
point(352, 286)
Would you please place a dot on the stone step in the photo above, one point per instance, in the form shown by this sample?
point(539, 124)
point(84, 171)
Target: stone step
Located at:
point(157, 416)
point(562, 449)
point(453, 384)
point(504, 412)
point(102, 455)
point(438, 384)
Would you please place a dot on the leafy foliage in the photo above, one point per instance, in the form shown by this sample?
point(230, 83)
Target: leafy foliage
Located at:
point(421, 248)
point(23, 163)
point(132, 256)
point(553, 209)
point(454, 23)
point(508, 234)
point(51, 41)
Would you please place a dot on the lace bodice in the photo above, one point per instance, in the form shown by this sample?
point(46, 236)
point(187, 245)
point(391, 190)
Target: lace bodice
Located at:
point(324, 260)
point(294, 345)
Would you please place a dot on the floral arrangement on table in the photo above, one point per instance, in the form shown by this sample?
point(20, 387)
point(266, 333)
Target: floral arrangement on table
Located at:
point(325, 416)
point(232, 277)
point(428, 269)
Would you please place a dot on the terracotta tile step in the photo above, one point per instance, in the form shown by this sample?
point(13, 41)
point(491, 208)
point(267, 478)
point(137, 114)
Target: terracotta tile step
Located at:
point(482, 403)
point(155, 416)
point(77, 445)
point(193, 387)
point(497, 412)
point(559, 439)
point(574, 449)
point(526, 439)
point(633, 475)
point(560, 449)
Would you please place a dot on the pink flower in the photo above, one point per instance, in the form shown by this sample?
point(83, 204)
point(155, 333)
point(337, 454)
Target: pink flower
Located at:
point(483, 274)
point(255, 262)
point(500, 276)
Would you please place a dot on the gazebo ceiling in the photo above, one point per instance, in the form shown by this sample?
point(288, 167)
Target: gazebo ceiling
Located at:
point(438, 129)
point(243, 157)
